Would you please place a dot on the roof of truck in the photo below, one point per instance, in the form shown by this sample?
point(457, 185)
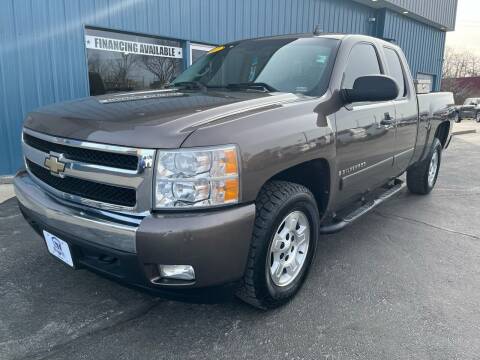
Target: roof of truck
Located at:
point(337, 36)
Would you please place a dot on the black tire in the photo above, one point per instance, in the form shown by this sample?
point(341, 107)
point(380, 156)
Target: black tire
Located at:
point(418, 175)
point(457, 117)
point(276, 200)
point(477, 117)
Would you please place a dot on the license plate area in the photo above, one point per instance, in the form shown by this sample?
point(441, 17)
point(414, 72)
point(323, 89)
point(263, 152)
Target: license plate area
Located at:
point(58, 248)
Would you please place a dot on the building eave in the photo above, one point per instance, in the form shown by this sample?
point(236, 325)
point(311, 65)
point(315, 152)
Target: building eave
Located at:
point(408, 10)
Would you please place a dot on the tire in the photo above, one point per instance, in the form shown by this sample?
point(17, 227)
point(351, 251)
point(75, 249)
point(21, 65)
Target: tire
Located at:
point(421, 178)
point(277, 203)
point(457, 118)
point(477, 117)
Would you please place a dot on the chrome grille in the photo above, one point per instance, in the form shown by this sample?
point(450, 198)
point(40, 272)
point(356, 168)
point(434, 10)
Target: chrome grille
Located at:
point(103, 176)
point(122, 161)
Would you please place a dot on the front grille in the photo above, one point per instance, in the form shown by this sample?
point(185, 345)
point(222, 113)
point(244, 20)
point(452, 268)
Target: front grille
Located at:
point(84, 188)
point(121, 161)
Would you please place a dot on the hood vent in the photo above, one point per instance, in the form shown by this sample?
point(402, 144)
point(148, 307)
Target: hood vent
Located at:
point(144, 95)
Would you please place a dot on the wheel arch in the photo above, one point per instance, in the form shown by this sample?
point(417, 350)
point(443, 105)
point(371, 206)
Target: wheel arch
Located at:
point(442, 132)
point(314, 175)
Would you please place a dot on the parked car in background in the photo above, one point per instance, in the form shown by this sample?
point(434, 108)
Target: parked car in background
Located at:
point(469, 109)
point(231, 175)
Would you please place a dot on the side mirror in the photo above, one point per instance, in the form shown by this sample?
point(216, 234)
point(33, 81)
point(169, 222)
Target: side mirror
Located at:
point(371, 88)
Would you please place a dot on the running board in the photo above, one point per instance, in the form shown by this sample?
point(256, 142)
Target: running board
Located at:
point(362, 210)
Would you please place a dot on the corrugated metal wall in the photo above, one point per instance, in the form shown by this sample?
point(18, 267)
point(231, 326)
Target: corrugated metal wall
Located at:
point(442, 12)
point(423, 45)
point(42, 58)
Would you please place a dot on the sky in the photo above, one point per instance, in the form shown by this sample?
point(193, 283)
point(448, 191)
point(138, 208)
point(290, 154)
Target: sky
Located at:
point(467, 30)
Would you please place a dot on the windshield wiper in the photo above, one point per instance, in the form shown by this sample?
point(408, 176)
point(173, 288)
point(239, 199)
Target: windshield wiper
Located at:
point(190, 84)
point(260, 86)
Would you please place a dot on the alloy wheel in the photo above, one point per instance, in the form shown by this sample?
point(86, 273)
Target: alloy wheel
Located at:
point(289, 248)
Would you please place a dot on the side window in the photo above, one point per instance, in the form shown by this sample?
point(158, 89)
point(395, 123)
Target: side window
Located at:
point(396, 71)
point(363, 61)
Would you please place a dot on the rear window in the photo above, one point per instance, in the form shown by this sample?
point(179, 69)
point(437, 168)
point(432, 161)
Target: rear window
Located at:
point(396, 70)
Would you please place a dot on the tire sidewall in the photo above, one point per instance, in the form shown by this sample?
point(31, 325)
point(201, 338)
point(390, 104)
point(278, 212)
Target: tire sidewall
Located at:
point(457, 118)
point(305, 203)
point(477, 117)
point(436, 147)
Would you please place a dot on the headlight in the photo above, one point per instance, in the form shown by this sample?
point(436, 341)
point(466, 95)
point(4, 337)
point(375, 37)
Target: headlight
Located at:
point(196, 177)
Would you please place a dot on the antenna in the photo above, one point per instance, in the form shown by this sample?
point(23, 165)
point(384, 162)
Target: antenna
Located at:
point(318, 30)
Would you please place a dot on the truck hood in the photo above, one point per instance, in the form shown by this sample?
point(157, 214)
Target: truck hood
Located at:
point(152, 119)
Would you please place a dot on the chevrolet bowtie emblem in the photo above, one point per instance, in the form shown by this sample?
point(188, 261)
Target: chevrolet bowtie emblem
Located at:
point(53, 164)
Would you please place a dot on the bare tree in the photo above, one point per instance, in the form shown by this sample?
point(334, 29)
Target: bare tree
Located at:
point(458, 64)
point(163, 68)
point(460, 90)
point(119, 70)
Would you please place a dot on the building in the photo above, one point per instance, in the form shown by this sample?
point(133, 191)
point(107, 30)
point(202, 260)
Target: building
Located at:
point(65, 49)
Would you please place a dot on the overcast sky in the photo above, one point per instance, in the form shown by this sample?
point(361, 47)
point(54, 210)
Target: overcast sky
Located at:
point(467, 31)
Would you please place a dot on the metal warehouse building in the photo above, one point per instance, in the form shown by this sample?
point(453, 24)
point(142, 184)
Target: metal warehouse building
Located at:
point(58, 50)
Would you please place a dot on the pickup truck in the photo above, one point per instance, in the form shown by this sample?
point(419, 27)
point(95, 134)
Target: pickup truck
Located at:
point(469, 109)
point(228, 177)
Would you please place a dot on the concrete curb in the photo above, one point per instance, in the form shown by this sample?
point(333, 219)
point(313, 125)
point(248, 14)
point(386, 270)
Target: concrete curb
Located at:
point(6, 179)
point(463, 132)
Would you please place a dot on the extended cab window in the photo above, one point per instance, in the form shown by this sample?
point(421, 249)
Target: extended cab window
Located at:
point(363, 61)
point(396, 71)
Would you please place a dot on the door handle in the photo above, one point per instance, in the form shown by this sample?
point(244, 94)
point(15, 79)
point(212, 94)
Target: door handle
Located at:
point(387, 120)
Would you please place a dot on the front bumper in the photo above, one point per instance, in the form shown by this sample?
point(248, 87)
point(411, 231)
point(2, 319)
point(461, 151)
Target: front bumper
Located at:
point(215, 243)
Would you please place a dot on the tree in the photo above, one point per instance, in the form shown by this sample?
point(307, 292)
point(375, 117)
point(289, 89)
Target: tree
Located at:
point(458, 65)
point(163, 68)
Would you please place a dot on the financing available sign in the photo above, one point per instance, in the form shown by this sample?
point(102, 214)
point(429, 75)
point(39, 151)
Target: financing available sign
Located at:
point(132, 47)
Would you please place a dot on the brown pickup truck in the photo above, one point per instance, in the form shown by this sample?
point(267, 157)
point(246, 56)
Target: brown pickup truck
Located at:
point(231, 174)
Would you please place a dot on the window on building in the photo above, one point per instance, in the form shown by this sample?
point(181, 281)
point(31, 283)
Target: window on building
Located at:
point(396, 70)
point(362, 61)
point(197, 51)
point(127, 62)
point(427, 81)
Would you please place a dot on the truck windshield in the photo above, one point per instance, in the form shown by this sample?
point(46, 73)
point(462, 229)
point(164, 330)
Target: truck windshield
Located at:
point(301, 65)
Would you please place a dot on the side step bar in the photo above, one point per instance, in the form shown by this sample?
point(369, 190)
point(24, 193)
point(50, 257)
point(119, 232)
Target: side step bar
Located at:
point(336, 226)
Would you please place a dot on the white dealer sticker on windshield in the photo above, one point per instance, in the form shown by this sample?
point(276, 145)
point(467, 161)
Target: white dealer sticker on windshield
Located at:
point(58, 248)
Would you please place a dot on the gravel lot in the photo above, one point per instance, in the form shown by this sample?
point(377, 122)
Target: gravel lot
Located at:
point(401, 283)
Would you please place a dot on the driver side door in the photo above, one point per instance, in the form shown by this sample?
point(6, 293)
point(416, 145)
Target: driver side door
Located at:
point(365, 132)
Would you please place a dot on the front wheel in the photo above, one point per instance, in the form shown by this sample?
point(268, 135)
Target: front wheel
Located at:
point(422, 177)
point(477, 117)
point(283, 244)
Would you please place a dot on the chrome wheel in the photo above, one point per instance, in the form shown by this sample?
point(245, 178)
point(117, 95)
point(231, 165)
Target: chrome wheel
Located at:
point(432, 170)
point(289, 248)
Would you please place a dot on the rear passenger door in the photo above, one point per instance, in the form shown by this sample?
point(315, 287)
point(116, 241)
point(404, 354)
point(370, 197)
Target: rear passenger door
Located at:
point(406, 111)
point(365, 131)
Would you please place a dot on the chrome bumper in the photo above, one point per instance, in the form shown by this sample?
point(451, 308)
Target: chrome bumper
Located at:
point(82, 223)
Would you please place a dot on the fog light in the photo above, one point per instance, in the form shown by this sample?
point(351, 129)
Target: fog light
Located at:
point(179, 272)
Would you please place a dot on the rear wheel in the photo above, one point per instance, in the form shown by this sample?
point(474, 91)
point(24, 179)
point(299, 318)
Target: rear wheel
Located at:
point(457, 118)
point(477, 117)
point(422, 177)
point(283, 244)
